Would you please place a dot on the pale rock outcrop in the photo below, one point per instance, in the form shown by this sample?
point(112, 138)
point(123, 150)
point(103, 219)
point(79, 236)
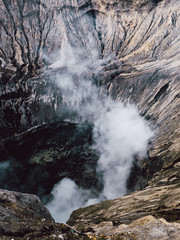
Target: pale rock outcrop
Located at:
point(161, 202)
point(142, 229)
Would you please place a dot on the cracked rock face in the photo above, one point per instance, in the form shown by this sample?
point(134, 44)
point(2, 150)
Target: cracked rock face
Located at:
point(156, 201)
point(144, 66)
point(24, 217)
point(141, 41)
point(20, 211)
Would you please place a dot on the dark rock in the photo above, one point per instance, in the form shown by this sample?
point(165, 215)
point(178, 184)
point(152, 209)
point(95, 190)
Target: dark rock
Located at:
point(22, 214)
point(43, 155)
point(24, 217)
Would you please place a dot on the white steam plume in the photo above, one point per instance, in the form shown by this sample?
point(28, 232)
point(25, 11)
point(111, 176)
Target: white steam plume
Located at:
point(119, 132)
point(67, 197)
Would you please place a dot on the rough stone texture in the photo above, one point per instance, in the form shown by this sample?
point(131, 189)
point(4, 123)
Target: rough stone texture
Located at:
point(141, 37)
point(142, 229)
point(142, 40)
point(157, 201)
point(22, 213)
point(24, 217)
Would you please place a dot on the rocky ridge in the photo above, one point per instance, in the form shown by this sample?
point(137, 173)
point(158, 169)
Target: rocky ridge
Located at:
point(155, 201)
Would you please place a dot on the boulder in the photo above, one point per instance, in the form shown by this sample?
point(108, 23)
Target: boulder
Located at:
point(22, 214)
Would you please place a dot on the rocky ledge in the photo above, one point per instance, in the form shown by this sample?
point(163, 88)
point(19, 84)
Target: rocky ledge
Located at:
point(139, 216)
point(156, 201)
point(22, 214)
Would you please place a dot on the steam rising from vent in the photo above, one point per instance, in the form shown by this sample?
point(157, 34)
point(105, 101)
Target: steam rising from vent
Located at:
point(119, 131)
point(67, 197)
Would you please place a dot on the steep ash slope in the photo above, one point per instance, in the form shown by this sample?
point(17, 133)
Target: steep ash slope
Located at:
point(139, 41)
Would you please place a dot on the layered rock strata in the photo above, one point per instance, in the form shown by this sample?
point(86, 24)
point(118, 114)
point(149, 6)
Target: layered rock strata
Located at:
point(24, 217)
point(141, 41)
point(161, 202)
point(141, 38)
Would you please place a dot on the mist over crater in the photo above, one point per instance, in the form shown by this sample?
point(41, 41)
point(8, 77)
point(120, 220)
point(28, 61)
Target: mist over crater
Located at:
point(119, 133)
point(89, 98)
